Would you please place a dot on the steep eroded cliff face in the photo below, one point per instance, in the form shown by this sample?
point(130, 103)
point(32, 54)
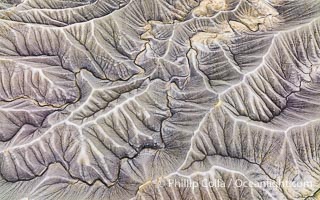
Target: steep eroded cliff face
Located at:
point(159, 99)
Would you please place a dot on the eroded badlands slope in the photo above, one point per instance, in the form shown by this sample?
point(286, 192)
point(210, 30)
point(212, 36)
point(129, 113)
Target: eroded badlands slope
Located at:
point(115, 99)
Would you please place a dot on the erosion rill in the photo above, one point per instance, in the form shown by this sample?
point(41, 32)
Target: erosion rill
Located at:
point(159, 99)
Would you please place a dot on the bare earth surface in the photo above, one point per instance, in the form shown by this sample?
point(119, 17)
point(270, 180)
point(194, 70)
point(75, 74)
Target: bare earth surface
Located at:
point(159, 99)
